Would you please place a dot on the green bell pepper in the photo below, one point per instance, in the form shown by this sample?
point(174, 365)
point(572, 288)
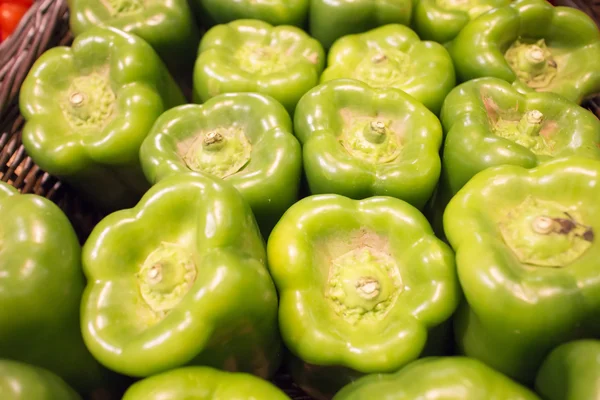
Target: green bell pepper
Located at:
point(571, 372)
point(450, 378)
point(393, 56)
point(20, 381)
point(40, 291)
point(253, 56)
point(275, 12)
point(191, 287)
point(88, 109)
point(244, 138)
point(359, 141)
point(168, 26)
point(527, 255)
point(329, 20)
point(203, 383)
point(533, 44)
point(442, 20)
point(488, 123)
point(361, 284)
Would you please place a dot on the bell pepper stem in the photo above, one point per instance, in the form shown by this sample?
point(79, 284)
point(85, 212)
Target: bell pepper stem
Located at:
point(379, 58)
point(165, 277)
point(375, 132)
point(368, 287)
point(532, 59)
point(213, 141)
point(531, 123)
point(543, 225)
point(77, 99)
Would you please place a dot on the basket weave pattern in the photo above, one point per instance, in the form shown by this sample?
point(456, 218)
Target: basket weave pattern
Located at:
point(44, 26)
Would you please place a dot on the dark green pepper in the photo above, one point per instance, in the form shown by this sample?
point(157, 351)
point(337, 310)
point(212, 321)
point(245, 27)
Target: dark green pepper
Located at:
point(168, 26)
point(442, 20)
point(329, 20)
point(41, 284)
point(571, 372)
point(275, 12)
point(20, 381)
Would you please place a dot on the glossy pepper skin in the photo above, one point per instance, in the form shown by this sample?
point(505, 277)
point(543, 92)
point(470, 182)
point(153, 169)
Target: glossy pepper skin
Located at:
point(89, 107)
point(168, 26)
point(359, 141)
point(192, 288)
point(488, 123)
point(203, 383)
point(454, 378)
point(571, 372)
point(329, 20)
point(393, 56)
point(253, 56)
point(534, 45)
point(526, 243)
point(244, 138)
point(20, 381)
point(361, 284)
point(41, 271)
point(274, 12)
point(442, 20)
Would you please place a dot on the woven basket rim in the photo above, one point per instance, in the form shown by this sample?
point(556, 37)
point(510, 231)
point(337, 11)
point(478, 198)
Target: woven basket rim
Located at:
point(43, 26)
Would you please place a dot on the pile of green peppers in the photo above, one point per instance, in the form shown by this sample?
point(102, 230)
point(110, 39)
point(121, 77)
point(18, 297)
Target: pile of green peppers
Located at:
point(391, 200)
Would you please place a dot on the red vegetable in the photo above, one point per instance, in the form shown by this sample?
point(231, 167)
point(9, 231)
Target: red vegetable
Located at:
point(11, 12)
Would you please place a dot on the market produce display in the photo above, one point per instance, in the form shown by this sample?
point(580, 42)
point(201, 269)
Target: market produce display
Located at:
point(360, 285)
point(275, 12)
point(571, 372)
point(360, 141)
point(458, 378)
point(203, 383)
point(175, 37)
point(88, 109)
point(41, 284)
point(527, 259)
point(244, 138)
point(192, 288)
point(20, 381)
point(299, 199)
point(253, 56)
point(535, 46)
point(393, 56)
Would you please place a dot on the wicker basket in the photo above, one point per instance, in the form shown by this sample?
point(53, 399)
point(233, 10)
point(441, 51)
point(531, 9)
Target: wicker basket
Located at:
point(44, 26)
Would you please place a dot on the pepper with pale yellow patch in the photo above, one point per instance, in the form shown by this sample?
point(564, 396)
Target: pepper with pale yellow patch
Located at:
point(527, 251)
point(360, 141)
point(364, 285)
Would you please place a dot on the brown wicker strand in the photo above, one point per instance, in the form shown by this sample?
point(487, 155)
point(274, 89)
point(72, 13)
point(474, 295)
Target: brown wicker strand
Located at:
point(42, 27)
